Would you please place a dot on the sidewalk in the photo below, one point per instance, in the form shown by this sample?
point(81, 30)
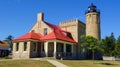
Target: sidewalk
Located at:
point(56, 63)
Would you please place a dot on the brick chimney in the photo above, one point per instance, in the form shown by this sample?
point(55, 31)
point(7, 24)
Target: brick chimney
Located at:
point(40, 17)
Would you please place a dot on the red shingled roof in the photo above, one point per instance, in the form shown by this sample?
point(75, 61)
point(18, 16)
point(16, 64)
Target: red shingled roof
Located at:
point(52, 26)
point(57, 35)
point(30, 35)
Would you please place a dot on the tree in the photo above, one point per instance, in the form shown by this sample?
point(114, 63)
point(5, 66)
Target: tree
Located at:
point(109, 45)
point(9, 40)
point(90, 43)
point(117, 47)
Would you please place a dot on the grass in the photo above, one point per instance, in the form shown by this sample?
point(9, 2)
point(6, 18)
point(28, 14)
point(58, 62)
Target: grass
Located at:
point(89, 63)
point(69, 63)
point(7, 57)
point(25, 63)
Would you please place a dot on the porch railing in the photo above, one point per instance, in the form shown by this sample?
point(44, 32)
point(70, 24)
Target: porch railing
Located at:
point(59, 54)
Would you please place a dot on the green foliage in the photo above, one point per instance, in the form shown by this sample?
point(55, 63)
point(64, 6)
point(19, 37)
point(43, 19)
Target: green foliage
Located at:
point(109, 45)
point(9, 40)
point(90, 43)
point(117, 47)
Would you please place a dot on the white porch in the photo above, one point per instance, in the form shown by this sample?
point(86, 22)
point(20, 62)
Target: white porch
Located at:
point(57, 48)
point(51, 48)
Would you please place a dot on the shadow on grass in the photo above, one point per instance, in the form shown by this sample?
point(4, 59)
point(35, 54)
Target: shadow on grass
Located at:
point(112, 64)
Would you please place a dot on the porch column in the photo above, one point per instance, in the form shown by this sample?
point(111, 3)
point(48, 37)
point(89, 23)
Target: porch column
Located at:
point(14, 47)
point(29, 49)
point(21, 47)
point(41, 47)
point(64, 49)
point(46, 49)
point(72, 49)
point(0, 53)
point(55, 52)
point(36, 47)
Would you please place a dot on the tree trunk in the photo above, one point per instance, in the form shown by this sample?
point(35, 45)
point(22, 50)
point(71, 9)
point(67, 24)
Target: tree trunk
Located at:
point(93, 56)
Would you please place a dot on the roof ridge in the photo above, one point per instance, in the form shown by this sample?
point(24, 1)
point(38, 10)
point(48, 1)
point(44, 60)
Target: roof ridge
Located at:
point(53, 26)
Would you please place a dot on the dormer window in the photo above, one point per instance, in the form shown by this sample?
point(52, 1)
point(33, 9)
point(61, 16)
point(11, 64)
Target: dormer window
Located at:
point(45, 31)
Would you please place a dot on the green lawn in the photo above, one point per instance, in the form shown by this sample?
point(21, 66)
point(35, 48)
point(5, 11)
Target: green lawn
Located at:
point(89, 63)
point(70, 63)
point(25, 63)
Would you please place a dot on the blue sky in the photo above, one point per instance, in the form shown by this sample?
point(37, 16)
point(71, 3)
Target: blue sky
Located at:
point(18, 16)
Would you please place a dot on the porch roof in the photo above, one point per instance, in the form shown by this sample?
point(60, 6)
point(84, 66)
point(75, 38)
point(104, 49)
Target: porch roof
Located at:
point(57, 35)
point(30, 35)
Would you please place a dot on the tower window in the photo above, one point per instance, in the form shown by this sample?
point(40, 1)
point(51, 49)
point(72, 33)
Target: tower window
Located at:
point(45, 31)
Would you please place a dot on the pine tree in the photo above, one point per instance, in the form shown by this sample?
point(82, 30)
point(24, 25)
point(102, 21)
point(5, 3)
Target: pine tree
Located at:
point(117, 47)
point(109, 45)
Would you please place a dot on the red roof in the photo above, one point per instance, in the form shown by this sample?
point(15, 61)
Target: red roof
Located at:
point(52, 26)
point(30, 35)
point(57, 35)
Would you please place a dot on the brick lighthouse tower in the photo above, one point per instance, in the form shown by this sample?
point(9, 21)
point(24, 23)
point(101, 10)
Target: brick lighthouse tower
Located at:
point(93, 22)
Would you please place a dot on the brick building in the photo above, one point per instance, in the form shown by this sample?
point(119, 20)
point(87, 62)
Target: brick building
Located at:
point(48, 40)
point(4, 49)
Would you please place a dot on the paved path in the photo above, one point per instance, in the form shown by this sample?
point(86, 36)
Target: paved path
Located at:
point(56, 63)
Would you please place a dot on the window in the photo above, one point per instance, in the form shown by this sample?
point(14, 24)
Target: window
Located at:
point(33, 31)
point(69, 35)
point(25, 46)
point(17, 46)
point(45, 31)
point(34, 46)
